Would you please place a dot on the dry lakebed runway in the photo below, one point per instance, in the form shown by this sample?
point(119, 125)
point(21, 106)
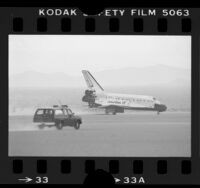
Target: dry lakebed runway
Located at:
point(130, 134)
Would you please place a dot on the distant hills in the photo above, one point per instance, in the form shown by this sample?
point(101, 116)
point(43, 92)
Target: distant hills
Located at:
point(37, 79)
point(152, 75)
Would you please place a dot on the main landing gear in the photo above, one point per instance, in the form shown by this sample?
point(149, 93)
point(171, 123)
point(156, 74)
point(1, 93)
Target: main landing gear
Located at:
point(107, 111)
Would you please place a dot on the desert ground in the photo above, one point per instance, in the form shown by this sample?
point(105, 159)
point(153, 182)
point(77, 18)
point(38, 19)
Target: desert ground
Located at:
point(143, 134)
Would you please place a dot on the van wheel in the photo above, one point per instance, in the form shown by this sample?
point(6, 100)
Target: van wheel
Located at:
point(59, 125)
point(41, 126)
point(77, 126)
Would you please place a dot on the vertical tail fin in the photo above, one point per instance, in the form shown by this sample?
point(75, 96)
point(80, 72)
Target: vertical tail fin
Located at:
point(90, 81)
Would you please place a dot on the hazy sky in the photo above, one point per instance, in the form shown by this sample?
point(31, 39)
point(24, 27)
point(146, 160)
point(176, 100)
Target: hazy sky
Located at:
point(72, 53)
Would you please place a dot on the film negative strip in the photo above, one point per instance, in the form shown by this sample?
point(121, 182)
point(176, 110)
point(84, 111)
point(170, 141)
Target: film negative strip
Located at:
point(111, 97)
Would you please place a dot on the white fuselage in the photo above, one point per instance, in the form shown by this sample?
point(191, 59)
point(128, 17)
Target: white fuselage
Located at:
point(125, 101)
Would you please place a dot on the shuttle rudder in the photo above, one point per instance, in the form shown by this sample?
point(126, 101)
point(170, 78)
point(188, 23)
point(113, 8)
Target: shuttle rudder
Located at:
point(91, 81)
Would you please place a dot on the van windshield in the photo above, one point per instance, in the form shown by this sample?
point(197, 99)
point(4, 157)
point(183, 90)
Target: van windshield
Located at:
point(69, 111)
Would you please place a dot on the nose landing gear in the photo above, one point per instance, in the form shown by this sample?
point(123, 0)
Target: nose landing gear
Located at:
point(160, 108)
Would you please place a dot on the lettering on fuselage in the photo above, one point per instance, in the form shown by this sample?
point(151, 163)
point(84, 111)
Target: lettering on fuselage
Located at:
point(114, 102)
point(125, 101)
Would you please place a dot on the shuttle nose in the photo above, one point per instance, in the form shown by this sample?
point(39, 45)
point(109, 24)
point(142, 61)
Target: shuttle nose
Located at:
point(160, 107)
point(163, 107)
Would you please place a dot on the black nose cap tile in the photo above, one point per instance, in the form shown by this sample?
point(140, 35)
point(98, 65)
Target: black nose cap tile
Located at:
point(164, 107)
point(160, 107)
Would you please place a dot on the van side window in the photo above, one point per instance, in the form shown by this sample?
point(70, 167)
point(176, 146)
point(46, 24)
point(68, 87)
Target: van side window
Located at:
point(40, 112)
point(46, 112)
point(50, 112)
point(59, 112)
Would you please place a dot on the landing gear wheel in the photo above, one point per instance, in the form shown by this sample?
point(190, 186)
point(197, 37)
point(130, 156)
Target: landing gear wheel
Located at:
point(114, 113)
point(77, 126)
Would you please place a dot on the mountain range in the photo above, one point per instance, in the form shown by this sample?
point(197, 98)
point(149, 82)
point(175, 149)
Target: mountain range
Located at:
point(131, 76)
